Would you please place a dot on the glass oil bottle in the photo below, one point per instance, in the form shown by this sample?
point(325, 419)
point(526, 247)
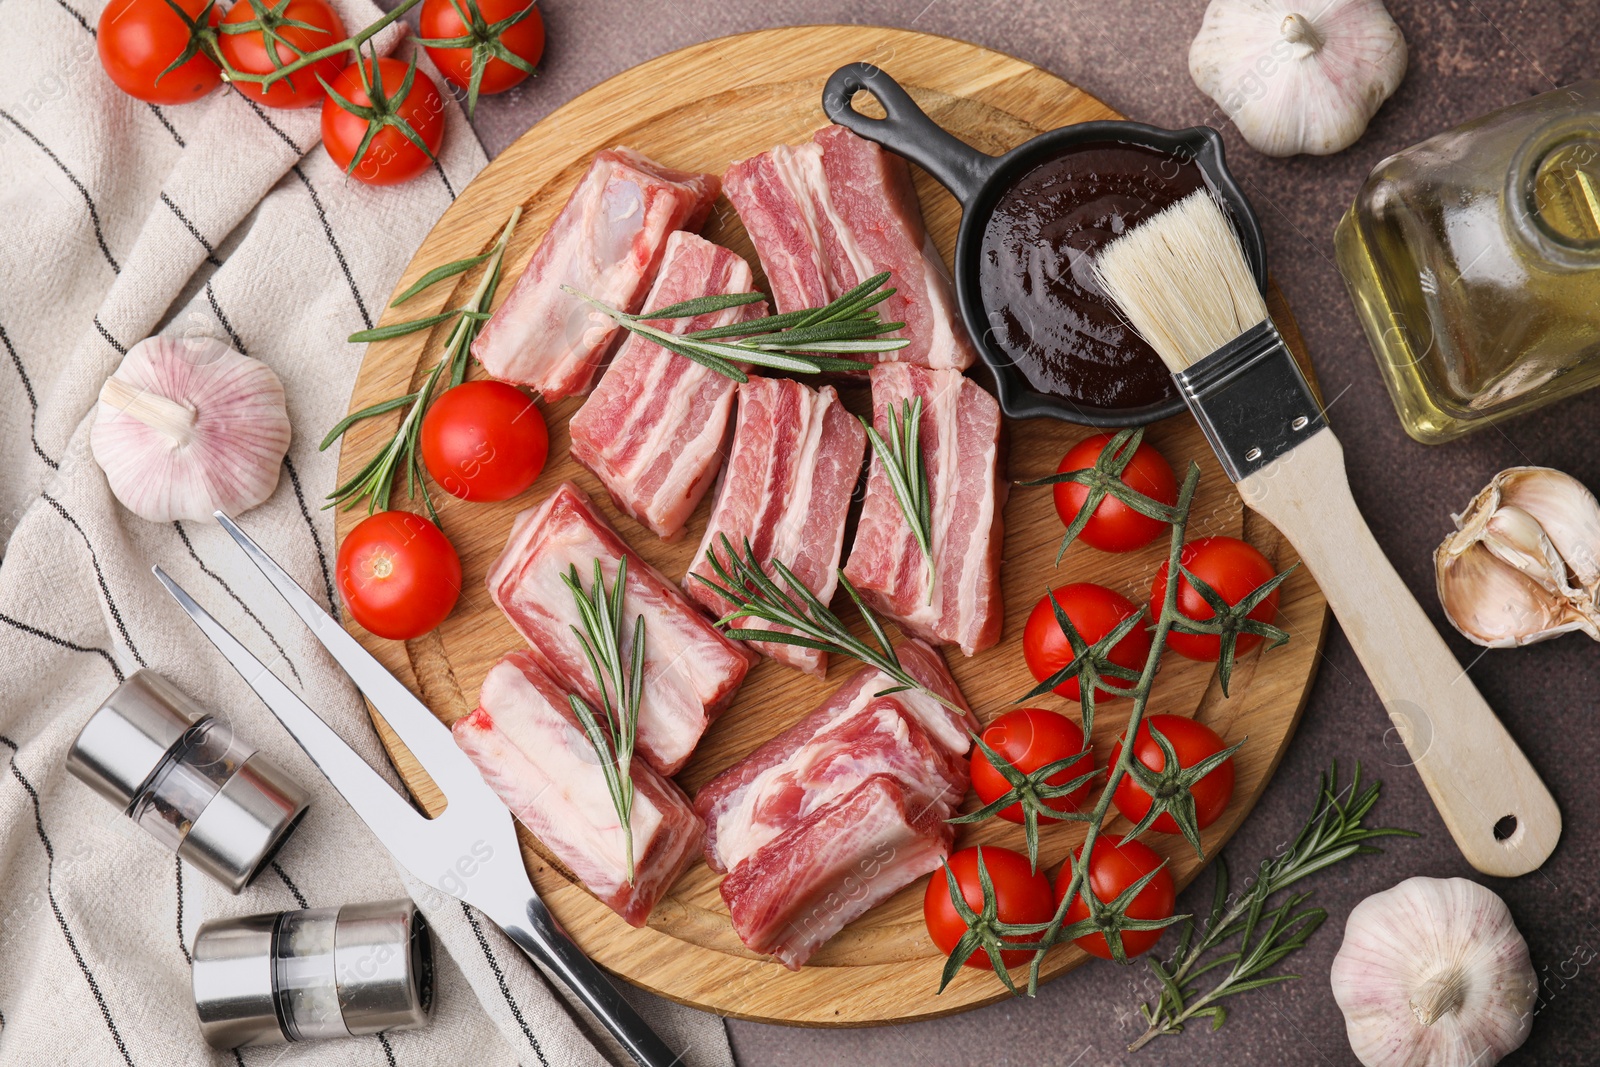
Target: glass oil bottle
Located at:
point(1473, 259)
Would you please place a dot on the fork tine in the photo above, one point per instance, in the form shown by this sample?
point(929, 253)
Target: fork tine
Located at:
point(374, 800)
point(428, 739)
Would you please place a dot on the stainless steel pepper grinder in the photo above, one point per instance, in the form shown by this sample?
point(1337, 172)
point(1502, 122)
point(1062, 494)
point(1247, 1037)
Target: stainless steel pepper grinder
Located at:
point(312, 975)
point(182, 775)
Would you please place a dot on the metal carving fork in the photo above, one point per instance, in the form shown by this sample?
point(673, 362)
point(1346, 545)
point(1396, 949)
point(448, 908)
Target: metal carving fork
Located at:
point(470, 851)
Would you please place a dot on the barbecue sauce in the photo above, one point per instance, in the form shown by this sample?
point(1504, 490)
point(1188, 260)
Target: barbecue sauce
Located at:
point(1034, 275)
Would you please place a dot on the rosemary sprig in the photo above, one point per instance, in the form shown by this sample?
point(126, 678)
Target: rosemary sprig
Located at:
point(374, 483)
point(1334, 832)
point(901, 459)
point(619, 678)
point(804, 620)
point(788, 342)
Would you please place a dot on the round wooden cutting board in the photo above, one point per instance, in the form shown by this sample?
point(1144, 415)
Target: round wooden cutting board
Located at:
point(700, 109)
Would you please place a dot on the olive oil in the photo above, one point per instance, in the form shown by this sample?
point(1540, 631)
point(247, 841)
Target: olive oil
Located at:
point(1474, 263)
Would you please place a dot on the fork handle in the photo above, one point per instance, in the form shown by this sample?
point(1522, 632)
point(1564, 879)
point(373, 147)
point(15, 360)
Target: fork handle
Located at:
point(537, 934)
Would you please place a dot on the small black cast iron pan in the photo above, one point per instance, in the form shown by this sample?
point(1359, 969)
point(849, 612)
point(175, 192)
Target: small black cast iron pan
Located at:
point(977, 181)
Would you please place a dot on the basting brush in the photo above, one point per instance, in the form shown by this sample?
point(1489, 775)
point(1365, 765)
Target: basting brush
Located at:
point(1182, 282)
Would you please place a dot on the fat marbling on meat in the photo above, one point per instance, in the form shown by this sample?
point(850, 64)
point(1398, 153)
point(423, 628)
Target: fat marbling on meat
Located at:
point(691, 671)
point(606, 243)
point(529, 746)
point(786, 487)
point(829, 214)
point(817, 877)
point(841, 810)
point(962, 454)
point(655, 427)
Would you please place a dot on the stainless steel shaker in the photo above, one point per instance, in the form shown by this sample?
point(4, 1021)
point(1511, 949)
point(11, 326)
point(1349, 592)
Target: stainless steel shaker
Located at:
point(312, 975)
point(185, 777)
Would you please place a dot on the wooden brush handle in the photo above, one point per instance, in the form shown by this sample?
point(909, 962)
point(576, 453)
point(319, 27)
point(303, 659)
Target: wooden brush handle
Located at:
point(1473, 769)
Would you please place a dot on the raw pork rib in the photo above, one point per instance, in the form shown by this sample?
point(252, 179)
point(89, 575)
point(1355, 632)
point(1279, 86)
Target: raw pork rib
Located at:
point(530, 748)
point(817, 877)
point(830, 214)
point(606, 243)
point(961, 449)
point(690, 672)
point(654, 428)
point(809, 765)
point(787, 484)
point(839, 812)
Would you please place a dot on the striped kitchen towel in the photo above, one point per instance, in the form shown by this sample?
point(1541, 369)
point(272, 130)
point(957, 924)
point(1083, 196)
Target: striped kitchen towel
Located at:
point(119, 220)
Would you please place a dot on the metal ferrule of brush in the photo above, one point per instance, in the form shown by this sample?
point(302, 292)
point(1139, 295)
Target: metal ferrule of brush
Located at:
point(1251, 400)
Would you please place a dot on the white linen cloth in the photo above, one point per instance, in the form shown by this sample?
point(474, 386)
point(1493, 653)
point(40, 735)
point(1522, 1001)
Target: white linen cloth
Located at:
point(219, 218)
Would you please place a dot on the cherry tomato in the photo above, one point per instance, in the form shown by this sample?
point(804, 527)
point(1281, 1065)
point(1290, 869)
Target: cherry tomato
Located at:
point(1193, 742)
point(1233, 569)
point(1114, 526)
point(1114, 865)
point(1021, 896)
point(398, 575)
point(524, 39)
point(1095, 611)
point(138, 39)
point(391, 158)
point(484, 441)
point(248, 51)
point(1030, 738)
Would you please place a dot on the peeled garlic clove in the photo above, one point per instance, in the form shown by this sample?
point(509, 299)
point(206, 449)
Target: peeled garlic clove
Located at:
point(1497, 605)
point(1433, 973)
point(1566, 511)
point(1296, 76)
point(185, 427)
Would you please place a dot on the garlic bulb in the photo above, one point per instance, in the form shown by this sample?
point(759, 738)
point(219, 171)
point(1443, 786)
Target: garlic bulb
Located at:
point(1433, 973)
point(1524, 562)
point(1297, 76)
point(188, 427)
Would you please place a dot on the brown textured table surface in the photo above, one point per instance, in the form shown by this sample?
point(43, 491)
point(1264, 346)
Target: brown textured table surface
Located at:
point(1467, 57)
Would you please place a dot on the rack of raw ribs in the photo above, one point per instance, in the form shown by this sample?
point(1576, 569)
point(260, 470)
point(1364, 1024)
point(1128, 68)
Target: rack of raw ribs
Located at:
point(850, 804)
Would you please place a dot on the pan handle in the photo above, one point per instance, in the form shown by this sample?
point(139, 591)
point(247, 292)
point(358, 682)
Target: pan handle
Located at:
point(907, 130)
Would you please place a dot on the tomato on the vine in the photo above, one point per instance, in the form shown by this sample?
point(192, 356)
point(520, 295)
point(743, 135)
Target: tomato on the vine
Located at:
point(1114, 866)
point(139, 39)
point(1193, 742)
point(1233, 569)
point(398, 575)
point(1021, 896)
point(247, 51)
point(377, 150)
point(1114, 526)
point(442, 20)
point(1095, 611)
point(1030, 738)
point(484, 441)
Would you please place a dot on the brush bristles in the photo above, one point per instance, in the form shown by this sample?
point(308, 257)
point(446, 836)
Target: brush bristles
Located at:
point(1181, 280)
